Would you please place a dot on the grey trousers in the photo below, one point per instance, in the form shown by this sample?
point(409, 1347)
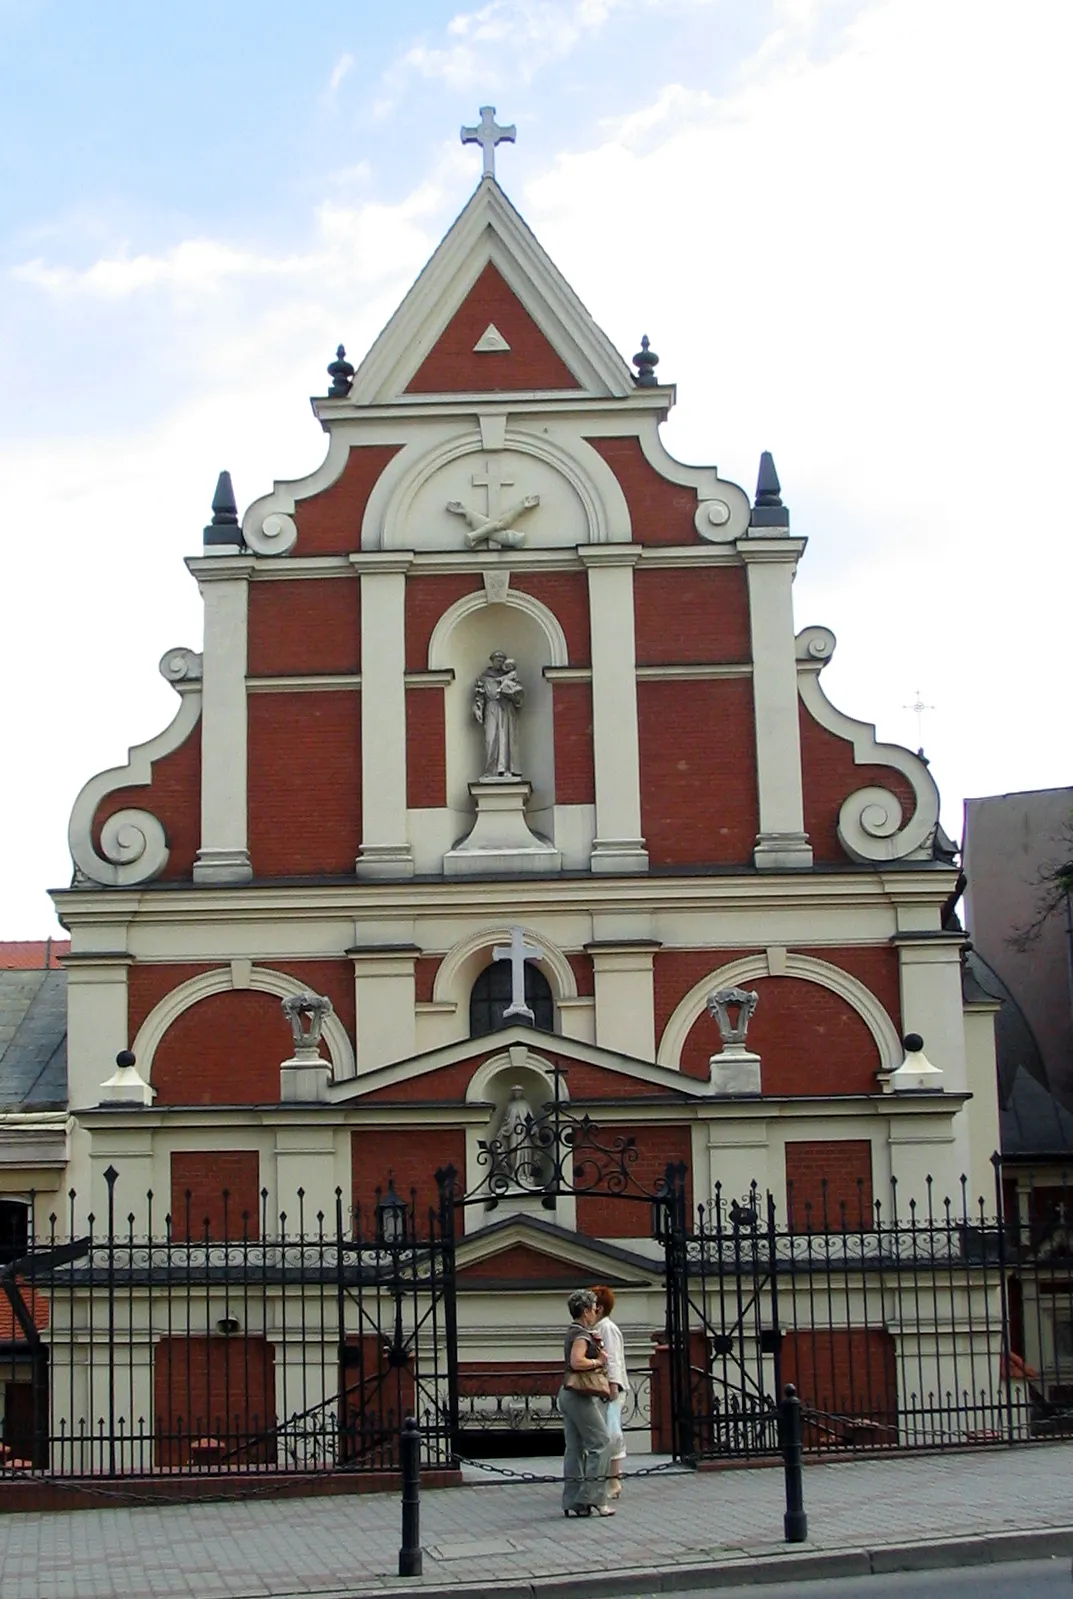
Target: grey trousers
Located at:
point(588, 1449)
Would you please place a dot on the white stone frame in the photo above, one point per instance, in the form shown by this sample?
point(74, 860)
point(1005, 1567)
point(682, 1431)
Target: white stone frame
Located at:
point(264, 980)
point(870, 824)
point(737, 973)
point(546, 620)
point(135, 849)
point(387, 509)
point(459, 968)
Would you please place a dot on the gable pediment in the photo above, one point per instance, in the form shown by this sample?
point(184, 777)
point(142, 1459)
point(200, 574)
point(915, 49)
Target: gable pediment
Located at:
point(524, 1252)
point(489, 270)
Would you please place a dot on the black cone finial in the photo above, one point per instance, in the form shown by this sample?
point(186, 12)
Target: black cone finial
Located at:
point(768, 509)
point(646, 361)
point(341, 373)
point(224, 528)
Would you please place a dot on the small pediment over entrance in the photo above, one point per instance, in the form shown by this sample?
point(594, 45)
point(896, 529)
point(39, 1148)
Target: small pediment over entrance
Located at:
point(522, 1252)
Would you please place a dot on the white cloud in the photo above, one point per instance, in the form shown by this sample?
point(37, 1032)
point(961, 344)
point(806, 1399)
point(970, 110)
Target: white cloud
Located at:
point(342, 67)
point(516, 37)
point(197, 265)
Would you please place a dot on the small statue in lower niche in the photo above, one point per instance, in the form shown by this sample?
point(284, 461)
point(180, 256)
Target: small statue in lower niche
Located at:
point(498, 696)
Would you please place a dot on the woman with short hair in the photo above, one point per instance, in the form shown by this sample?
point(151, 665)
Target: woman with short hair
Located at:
point(582, 1404)
point(611, 1338)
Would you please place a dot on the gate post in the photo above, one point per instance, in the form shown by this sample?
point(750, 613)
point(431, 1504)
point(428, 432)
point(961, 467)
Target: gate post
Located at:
point(445, 1183)
point(672, 1209)
point(794, 1522)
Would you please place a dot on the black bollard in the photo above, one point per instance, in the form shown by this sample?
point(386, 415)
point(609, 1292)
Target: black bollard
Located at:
point(795, 1522)
point(410, 1457)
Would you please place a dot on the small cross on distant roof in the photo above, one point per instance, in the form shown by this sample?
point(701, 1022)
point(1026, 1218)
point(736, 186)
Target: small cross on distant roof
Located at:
point(488, 134)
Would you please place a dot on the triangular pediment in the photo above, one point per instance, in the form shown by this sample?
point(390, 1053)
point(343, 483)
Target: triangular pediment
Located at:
point(523, 1252)
point(490, 270)
point(592, 1074)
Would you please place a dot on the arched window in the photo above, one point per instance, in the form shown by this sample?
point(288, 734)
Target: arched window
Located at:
point(491, 993)
point(14, 1230)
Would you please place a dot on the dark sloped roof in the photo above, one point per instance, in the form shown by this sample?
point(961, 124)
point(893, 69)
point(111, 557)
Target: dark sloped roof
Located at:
point(33, 1040)
point(1032, 1123)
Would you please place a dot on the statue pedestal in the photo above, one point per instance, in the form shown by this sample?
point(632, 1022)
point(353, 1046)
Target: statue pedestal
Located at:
point(735, 1070)
point(501, 840)
point(304, 1078)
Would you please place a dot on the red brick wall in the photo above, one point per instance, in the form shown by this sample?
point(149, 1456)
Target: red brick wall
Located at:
point(581, 966)
point(173, 797)
point(330, 522)
point(828, 775)
point(214, 1387)
point(661, 512)
point(412, 1156)
point(691, 617)
point(604, 1215)
point(797, 1025)
point(844, 1372)
point(426, 748)
point(426, 600)
point(304, 803)
point(453, 367)
point(566, 595)
point(306, 626)
point(225, 1050)
point(822, 1177)
point(200, 1179)
point(698, 772)
point(520, 1264)
point(425, 969)
point(575, 773)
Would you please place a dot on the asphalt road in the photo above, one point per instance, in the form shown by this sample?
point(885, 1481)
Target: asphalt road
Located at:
point(1024, 1579)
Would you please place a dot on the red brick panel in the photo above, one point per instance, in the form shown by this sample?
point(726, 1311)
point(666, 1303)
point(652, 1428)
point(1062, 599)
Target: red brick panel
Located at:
point(306, 626)
point(173, 797)
point(604, 1215)
point(453, 367)
point(214, 1401)
point(147, 984)
point(575, 773)
point(676, 971)
point(688, 618)
point(304, 783)
point(505, 1377)
point(811, 1041)
point(829, 1184)
point(215, 1194)
point(410, 1155)
point(566, 595)
point(426, 600)
point(445, 1086)
point(698, 773)
point(828, 776)
point(519, 1264)
point(425, 969)
point(581, 966)
point(844, 1373)
point(330, 522)
point(426, 748)
point(660, 512)
point(225, 1050)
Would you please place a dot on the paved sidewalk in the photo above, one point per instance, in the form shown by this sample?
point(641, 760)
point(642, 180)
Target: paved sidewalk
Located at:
point(475, 1536)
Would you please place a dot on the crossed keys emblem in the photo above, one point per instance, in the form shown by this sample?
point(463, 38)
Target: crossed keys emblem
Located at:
point(495, 531)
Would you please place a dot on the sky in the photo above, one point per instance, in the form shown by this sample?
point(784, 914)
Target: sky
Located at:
point(844, 225)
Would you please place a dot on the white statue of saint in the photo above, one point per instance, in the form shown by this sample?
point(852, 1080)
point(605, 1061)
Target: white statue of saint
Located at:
point(520, 1153)
point(498, 696)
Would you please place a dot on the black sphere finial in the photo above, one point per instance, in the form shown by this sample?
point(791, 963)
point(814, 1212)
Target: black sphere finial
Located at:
point(646, 362)
point(126, 1057)
point(341, 373)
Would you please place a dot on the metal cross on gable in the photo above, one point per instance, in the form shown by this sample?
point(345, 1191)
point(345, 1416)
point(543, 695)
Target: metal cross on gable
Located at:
point(517, 952)
point(488, 134)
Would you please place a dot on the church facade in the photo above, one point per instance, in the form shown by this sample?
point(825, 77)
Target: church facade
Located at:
point(505, 767)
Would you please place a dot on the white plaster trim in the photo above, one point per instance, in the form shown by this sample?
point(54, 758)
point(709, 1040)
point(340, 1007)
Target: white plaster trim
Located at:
point(736, 974)
point(386, 520)
point(221, 981)
point(870, 826)
point(488, 229)
point(281, 502)
point(707, 482)
point(519, 1057)
point(302, 685)
point(135, 849)
point(547, 621)
point(698, 673)
point(450, 982)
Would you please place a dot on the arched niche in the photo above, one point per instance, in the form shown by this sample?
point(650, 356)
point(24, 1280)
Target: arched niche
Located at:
point(465, 650)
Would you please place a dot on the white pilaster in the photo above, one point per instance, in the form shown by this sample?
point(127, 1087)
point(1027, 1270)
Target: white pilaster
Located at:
point(929, 970)
point(96, 1021)
point(618, 845)
point(305, 1159)
point(385, 847)
point(224, 853)
point(625, 1004)
point(782, 843)
point(386, 999)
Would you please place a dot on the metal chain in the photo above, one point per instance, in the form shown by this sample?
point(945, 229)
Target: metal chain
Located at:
point(666, 1466)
